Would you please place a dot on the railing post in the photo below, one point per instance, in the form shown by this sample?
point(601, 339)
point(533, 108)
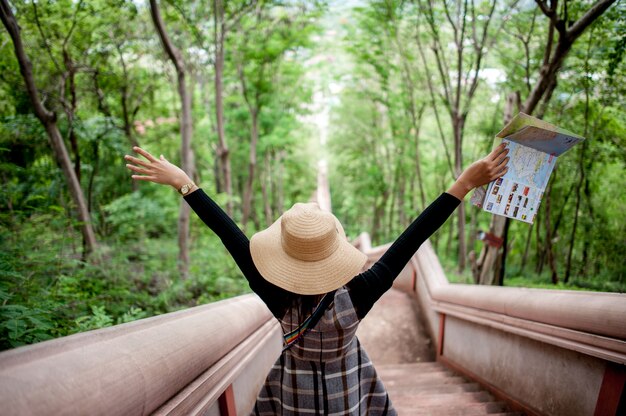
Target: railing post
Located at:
point(227, 402)
point(442, 330)
point(612, 395)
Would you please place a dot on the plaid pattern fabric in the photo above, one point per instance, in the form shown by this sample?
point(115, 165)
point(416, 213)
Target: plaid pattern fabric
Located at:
point(326, 372)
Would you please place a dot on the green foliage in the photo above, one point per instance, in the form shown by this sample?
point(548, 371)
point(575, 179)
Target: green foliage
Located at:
point(372, 141)
point(46, 292)
point(100, 67)
point(98, 319)
point(20, 325)
point(135, 217)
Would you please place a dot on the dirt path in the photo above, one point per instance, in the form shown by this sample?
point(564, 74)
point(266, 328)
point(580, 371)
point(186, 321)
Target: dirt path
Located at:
point(392, 334)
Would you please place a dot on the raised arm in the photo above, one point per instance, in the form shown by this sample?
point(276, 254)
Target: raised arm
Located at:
point(163, 172)
point(369, 286)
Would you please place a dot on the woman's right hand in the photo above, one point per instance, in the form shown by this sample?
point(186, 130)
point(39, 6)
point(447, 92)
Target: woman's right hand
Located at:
point(156, 170)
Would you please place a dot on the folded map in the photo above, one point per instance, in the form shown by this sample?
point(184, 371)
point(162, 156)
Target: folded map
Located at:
point(534, 145)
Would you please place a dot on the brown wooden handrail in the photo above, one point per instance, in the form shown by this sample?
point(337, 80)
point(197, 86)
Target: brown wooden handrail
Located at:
point(492, 333)
point(178, 364)
point(214, 358)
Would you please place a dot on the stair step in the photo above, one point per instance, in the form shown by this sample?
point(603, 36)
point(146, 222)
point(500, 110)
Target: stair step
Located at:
point(412, 378)
point(437, 389)
point(418, 381)
point(416, 367)
point(412, 370)
point(426, 399)
point(468, 409)
point(430, 388)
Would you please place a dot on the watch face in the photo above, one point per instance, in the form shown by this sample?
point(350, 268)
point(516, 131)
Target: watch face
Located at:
point(184, 189)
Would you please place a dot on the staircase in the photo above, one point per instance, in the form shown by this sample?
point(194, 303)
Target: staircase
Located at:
point(557, 352)
point(429, 388)
point(398, 345)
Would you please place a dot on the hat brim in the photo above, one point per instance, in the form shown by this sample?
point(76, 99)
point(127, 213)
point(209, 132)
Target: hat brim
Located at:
point(299, 276)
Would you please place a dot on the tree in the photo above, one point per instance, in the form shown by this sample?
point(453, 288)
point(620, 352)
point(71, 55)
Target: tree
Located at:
point(120, 83)
point(459, 75)
point(122, 86)
point(567, 31)
point(48, 120)
point(222, 25)
point(263, 43)
point(186, 126)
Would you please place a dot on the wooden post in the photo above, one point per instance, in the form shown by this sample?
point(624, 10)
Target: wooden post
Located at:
point(442, 330)
point(227, 402)
point(612, 396)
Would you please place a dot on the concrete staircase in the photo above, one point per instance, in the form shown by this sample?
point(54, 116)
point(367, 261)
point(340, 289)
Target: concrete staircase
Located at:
point(429, 388)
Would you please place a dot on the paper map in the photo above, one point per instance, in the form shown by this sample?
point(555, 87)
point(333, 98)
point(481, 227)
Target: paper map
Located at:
point(518, 193)
point(533, 149)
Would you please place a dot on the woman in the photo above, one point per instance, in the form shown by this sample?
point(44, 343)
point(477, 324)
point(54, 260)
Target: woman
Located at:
point(310, 278)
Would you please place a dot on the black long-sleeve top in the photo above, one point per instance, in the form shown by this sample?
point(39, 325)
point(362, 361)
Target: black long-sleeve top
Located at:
point(365, 288)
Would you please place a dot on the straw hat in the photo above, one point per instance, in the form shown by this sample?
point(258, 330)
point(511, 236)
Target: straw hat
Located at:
point(306, 252)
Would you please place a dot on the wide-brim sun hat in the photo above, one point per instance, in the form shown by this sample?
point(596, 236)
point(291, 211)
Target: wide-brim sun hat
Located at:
point(306, 252)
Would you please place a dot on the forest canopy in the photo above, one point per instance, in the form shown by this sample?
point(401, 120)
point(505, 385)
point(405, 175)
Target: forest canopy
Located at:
point(250, 98)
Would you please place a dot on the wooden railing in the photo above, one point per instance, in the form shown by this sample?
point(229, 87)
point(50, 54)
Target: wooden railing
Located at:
point(209, 359)
point(546, 352)
point(551, 352)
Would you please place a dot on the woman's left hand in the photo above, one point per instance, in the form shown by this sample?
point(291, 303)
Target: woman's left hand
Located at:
point(156, 170)
point(481, 172)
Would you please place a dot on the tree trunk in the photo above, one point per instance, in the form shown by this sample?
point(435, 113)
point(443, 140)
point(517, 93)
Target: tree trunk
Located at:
point(379, 213)
point(128, 126)
point(48, 120)
point(461, 232)
point(568, 266)
point(187, 164)
point(549, 236)
point(587, 224)
point(501, 265)
point(254, 216)
point(96, 164)
point(485, 270)
point(266, 185)
point(247, 195)
point(222, 148)
point(581, 168)
point(417, 122)
point(416, 115)
point(450, 237)
point(529, 236)
point(280, 189)
point(185, 130)
point(442, 179)
point(490, 255)
point(392, 208)
point(541, 251)
point(126, 117)
point(473, 230)
point(401, 193)
point(70, 109)
point(458, 125)
point(273, 180)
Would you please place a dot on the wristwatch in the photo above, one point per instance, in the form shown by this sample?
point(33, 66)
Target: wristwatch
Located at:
point(186, 188)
